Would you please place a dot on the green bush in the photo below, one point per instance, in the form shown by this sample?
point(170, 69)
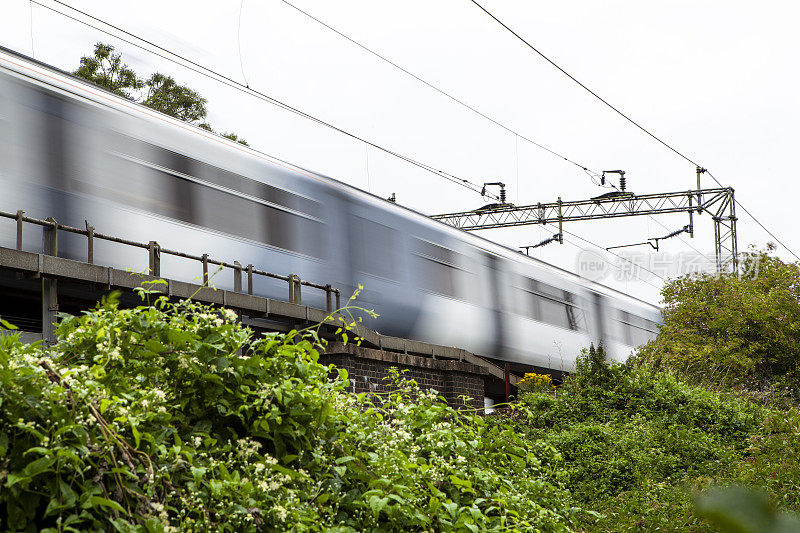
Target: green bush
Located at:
point(637, 443)
point(173, 417)
point(725, 330)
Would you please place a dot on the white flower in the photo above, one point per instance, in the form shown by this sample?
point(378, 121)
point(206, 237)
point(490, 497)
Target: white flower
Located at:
point(280, 512)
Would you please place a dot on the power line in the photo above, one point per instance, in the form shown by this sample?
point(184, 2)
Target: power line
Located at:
point(220, 78)
point(756, 220)
point(629, 119)
point(620, 113)
point(239, 43)
point(225, 80)
point(592, 174)
point(636, 267)
point(679, 237)
point(432, 86)
point(516, 134)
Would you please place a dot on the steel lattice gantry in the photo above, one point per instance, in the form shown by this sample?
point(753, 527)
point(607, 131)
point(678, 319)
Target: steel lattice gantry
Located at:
point(719, 203)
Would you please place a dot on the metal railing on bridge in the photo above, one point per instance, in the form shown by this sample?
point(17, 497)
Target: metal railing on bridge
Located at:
point(49, 247)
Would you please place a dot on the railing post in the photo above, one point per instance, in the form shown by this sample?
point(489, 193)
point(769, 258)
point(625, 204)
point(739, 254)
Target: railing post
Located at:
point(250, 279)
point(155, 258)
point(338, 299)
point(90, 237)
point(294, 289)
point(50, 237)
point(49, 285)
point(19, 229)
point(205, 269)
point(237, 276)
point(328, 298)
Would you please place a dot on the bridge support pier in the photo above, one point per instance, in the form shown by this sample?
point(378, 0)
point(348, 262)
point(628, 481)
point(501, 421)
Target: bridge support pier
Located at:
point(367, 369)
point(49, 285)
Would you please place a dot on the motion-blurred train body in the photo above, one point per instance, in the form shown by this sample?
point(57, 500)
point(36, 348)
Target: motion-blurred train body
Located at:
point(76, 152)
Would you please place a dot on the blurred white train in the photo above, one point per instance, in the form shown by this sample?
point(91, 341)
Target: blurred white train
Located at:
point(73, 151)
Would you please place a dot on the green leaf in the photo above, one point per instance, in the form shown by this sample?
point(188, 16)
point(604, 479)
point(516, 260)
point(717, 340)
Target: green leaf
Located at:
point(13, 479)
point(95, 501)
point(67, 494)
point(376, 504)
point(36, 449)
point(213, 377)
point(135, 433)
point(154, 345)
point(38, 466)
point(452, 508)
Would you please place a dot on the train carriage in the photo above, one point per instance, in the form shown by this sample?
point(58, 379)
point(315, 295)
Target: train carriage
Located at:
point(73, 151)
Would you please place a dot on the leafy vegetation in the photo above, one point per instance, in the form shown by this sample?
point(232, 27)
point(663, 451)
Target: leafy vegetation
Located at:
point(173, 417)
point(637, 445)
point(159, 91)
point(726, 330)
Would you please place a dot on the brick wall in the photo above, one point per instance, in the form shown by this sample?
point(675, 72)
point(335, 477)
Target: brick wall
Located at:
point(367, 369)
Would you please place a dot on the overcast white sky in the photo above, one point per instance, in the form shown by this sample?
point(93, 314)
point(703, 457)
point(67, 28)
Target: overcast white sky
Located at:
point(717, 80)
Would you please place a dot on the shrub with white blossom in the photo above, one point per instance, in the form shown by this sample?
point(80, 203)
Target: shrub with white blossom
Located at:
point(175, 417)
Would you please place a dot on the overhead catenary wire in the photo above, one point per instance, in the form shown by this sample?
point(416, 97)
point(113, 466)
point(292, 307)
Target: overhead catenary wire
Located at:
point(210, 73)
point(434, 87)
point(33, 51)
point(591, 173)
point(636, 267)
point(756, 220)
point(239, 43)
point(225, 80)
point(620, 113)
point(629, 119)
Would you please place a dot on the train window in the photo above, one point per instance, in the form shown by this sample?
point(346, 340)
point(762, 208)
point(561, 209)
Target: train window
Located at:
point(232, 214)
point(55, 114)
point(245, 215)
point(165, 182)
point(436, 267)
point(551, 305)
point(376, 246)
point(528, 300)
point(144, 188)
point(635, 330)
point(235, 182)
point(554, 313)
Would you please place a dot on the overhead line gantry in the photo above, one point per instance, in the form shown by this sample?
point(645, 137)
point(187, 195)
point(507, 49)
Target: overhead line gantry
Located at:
point(717, 202)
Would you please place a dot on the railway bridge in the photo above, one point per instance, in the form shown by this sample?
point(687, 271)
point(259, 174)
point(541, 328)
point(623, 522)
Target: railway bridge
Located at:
point(36, 285)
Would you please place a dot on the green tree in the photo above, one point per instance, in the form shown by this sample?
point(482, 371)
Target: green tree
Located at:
point(105, 68)
point(166, 95)
point(160, 91)
point(733, 329)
